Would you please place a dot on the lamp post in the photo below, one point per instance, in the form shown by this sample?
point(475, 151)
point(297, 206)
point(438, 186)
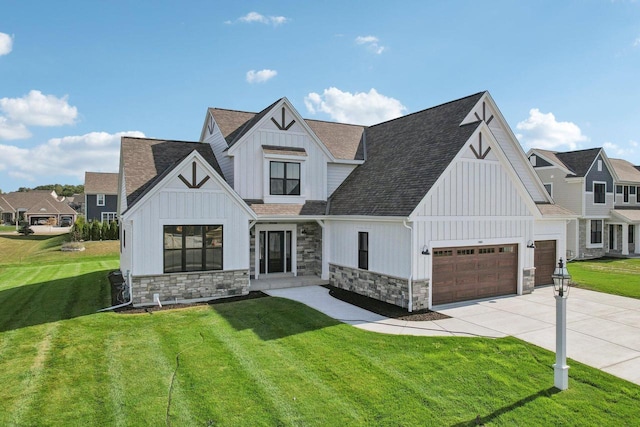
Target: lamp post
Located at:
point(561, 279)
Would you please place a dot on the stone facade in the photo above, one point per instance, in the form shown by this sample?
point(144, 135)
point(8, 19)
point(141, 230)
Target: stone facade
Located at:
point(392, 290)
point(177, 287)
point(309, 249)
point(528, 280)
point(583, 251)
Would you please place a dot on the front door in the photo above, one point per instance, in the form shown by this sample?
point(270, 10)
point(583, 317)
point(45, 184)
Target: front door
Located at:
point(276, 255)
point(275, 251)
point(612, 237)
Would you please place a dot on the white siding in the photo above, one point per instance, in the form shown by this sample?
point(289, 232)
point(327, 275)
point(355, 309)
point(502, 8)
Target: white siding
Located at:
point(250, 164)
point(175, 204)
point(219, 145)
point(553, 230)
point(336, 174)
point(389, 245)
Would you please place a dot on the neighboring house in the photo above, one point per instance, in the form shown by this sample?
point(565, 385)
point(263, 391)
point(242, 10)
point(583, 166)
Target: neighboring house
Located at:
point(36, 207)
point(101, 196)
point(430, 208)
point(602, 192)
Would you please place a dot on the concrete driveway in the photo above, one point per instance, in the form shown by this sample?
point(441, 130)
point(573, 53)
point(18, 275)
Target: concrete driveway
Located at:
point(603, 331)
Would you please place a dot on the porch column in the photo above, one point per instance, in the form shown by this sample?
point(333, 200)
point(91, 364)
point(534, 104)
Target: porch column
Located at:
point(324, 274)
point(625, 238)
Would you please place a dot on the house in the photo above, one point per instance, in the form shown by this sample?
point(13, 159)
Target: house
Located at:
point(602, 192)
point(100, 196)
point(430, 208)
point(36, 207)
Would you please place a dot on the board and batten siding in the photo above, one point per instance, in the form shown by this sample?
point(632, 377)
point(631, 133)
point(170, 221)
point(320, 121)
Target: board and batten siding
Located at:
point(218, 146)
point(475, 203)
point(177, 205)
point(250, 163)
point(336, 174)
point(389, 245)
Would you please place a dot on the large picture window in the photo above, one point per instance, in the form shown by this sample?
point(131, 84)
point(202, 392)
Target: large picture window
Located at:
point(285, 178)
point(363, 250)
point(596, 231)
point(599, 192)
point(192, 248)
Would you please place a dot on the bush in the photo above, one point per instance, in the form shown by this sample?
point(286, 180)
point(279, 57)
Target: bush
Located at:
point(25, 228)
point(96, 230)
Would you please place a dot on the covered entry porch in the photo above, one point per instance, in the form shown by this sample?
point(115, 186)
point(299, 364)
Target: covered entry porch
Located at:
point(623, 233)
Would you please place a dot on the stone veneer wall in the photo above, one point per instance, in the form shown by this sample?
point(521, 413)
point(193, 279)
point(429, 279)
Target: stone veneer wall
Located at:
point(585, 252)
point(528, 280)
point(175, 287)
point(309, 249)
point(392, 290)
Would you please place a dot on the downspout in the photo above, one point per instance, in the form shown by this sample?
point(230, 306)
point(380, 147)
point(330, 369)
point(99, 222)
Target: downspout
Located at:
point(410, 307)
point(128, 281)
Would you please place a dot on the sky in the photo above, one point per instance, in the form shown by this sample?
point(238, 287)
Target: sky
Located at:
point(75, 76)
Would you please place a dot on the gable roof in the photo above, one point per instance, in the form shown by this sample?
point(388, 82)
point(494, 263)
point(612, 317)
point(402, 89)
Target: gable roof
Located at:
point(146, 161)
point(625, 171)
point(34, 201)
point(344, 141)
point(100, 183)
point(405, 157)
point(579, 162)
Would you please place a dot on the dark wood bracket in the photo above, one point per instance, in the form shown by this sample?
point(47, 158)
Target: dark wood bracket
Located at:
point(193, 184)
point(282, 125)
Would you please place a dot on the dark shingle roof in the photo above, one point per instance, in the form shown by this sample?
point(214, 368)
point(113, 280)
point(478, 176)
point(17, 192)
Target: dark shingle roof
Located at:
point(342, 140)
point(100, 183)
point(147, 161)
point(579, 161)
point(405, 157)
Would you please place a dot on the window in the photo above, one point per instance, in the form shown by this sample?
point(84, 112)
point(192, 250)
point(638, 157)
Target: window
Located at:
point(596, 231)
point(599, 165)
point(631, 233)
point(444, 252)
point(109, 216)
point(285, 178)
point(465, 252)
point(548, 188)
point(363, 250)
point(100, 199)
point(632, 190)
point(626, 194)
point(618, 189)
point(599, 192)
point(192, 248)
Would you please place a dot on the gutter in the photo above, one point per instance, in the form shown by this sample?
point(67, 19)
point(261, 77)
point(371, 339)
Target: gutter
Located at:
point(410, 307)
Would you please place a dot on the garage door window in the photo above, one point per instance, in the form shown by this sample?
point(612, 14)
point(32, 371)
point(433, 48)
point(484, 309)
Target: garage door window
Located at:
point(507, 249)
point(486, 250)
point(442, 253)
point(465, 252)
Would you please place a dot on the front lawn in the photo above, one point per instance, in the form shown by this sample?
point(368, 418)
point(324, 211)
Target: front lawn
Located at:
point(613, 276)
point(7, 228)
point(264, 361)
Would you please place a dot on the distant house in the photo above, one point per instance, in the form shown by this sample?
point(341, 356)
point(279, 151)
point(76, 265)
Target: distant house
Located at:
point(604, 194)
point(100, 196)
point(37, 207)
point(434, 207)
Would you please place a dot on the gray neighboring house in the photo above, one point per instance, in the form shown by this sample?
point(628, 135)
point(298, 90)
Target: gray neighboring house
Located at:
point(101, 196)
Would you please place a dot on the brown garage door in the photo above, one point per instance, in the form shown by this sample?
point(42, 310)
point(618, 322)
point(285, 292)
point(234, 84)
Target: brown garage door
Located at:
point(467, 273)
point(544, 261)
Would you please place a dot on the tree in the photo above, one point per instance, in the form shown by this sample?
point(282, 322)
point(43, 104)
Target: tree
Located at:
point(114, 232)
point(96, 230)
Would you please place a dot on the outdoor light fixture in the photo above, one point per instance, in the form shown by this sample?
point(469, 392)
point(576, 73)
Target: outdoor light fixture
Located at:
point(561, 279)
point(531, 245)
point(425, 250)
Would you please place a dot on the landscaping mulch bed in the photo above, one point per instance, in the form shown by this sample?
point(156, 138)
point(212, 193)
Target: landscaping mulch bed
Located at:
point(382, 308)
point(151, 309)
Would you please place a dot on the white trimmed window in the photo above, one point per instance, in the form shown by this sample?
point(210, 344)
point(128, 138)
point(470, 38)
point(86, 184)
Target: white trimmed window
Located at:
point(595, 233)
point(100, 199)
point(599, 193)
point(109, 216)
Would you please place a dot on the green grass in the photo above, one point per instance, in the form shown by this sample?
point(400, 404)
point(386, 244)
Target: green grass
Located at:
point(6, 228)
point(261, 362)
point(612, 276)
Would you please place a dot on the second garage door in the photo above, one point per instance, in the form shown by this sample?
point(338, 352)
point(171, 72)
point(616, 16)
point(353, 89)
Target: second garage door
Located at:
point(466, 273)
point(544, 261)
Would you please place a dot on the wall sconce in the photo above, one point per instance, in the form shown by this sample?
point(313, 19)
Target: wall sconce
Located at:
point(425, 250)
point(303, 231)
point(531, 245)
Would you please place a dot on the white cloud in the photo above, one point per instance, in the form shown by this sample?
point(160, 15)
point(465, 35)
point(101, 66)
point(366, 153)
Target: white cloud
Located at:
point(12, 130)
point(372, 43)
point(361, 108)
point(252, 17)
point(621, 151)
point(70, 156)
point(542, 130)
point(36, 109)
point(6, 44)
point(261, 76)
point(636, 42)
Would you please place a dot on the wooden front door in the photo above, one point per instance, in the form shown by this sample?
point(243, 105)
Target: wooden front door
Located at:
point(544, 260)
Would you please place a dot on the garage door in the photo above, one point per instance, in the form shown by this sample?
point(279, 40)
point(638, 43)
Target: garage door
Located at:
point(467, 273)
point(544, 261)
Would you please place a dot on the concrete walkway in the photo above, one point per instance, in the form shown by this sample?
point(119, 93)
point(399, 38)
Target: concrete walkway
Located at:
point(603, 331)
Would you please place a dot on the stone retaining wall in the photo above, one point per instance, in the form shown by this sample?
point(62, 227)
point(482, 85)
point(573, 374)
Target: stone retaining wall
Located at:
point(392, 290)
point(188, 286)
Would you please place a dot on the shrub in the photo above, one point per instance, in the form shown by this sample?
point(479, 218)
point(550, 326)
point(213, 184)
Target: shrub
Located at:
point(95, 231)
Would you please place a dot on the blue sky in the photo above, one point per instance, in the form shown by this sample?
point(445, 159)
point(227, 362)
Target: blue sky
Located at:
point(76, 75)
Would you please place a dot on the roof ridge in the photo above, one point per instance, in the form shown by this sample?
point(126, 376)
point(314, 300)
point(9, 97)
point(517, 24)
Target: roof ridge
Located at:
point(159, 139)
